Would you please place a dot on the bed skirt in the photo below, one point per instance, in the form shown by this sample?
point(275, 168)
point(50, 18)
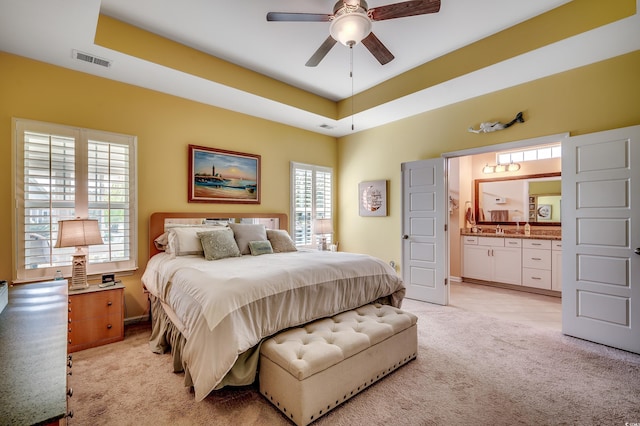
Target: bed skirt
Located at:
point(166, 337)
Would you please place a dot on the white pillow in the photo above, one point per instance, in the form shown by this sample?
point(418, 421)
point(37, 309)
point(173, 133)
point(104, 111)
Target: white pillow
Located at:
point(244, 233)
point(184, 241)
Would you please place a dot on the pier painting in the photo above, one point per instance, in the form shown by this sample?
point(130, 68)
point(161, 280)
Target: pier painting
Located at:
point(220, 176)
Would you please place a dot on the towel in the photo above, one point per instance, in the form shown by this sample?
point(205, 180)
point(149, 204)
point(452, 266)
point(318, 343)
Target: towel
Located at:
point(499, 215)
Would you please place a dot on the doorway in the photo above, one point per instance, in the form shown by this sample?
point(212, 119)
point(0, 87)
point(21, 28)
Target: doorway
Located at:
point(463, 168)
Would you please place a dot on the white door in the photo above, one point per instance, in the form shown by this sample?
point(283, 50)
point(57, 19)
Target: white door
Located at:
point(424, 244)
point(601, 238)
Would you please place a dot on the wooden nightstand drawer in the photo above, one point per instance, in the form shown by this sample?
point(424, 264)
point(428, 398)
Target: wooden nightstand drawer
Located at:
point(96, 317)
point(88, 333)
point(95, 304)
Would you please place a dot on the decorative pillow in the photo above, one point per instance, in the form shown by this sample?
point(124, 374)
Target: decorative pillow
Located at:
point(246, 232)
point(280, 241)
point(162, 242)
point(219, 244)
point(185, 241)
point(260, 247)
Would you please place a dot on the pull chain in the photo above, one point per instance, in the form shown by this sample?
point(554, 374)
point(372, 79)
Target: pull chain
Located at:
point(351, 75)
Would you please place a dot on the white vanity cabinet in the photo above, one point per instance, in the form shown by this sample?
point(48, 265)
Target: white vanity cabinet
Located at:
point(556, 265)
point(536, 263)
point(493, 259)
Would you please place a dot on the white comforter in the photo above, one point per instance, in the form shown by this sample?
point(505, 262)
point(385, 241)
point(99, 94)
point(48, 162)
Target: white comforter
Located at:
point(225, 307)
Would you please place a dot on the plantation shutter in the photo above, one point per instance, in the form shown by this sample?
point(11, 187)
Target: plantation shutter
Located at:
point(311, 198)
point(63, 173)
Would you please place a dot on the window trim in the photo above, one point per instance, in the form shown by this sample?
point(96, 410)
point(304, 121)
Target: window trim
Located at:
point(20, 274)
point(292, 213)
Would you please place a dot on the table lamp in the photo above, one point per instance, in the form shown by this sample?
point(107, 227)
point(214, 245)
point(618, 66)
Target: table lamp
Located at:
point(323, 227)
point(78, 233)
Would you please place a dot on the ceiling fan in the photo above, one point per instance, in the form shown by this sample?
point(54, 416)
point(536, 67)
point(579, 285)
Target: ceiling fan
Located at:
point(351, 23)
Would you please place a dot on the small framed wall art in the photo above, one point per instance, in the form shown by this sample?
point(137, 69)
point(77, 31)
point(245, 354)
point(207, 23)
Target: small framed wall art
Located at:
point(372, 198)
point(219, 176)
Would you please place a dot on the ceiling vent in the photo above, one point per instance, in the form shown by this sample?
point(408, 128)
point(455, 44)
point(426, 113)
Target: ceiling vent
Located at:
point(326, 126)
point(86, 57)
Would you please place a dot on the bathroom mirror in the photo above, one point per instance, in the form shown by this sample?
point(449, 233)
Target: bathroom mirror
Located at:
point(519, 199)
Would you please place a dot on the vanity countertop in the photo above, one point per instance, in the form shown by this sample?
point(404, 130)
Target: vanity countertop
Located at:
point(508, 233)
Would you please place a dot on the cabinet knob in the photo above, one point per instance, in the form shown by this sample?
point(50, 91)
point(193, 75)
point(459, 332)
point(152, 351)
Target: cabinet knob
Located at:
point(70, 392)
point(109, 303)
point(109, 326)
point(70, 414)
point(69, 341)
point(69, 363)
point(637, 250)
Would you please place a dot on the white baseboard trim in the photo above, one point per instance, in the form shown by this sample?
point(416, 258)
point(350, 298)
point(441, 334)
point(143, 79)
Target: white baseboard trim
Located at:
point(455, 279)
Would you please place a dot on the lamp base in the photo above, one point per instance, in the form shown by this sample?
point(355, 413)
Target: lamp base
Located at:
point(79, 273)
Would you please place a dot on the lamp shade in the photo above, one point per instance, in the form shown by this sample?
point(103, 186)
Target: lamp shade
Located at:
point(78, 232)
point(350, 28)
point(323, 226)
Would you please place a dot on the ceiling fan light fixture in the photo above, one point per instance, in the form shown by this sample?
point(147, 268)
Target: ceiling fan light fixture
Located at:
point(350, 28)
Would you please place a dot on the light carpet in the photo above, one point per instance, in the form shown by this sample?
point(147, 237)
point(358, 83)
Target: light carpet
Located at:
point(471, 370)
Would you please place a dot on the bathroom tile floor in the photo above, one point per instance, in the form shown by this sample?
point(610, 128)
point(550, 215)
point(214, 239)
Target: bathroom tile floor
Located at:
point(527, 308)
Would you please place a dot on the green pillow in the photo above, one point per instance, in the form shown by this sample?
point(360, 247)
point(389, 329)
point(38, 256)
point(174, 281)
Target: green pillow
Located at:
point(219, 244)
point(260, 247)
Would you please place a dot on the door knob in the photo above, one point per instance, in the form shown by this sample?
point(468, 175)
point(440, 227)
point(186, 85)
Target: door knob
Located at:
point(637, 250)
point(405, 237)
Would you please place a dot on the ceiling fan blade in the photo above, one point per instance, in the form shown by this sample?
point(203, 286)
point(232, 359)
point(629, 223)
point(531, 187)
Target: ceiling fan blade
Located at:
point(322, 51)
point(298, 17)
point(404, 9)
point(377, 49)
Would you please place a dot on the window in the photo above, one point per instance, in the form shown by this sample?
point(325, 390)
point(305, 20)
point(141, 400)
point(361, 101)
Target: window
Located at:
point(64, 172)
point(533, 154)
point(311, 198)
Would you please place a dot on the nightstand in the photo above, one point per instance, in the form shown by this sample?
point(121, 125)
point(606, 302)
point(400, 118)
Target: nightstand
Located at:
point(96, 317)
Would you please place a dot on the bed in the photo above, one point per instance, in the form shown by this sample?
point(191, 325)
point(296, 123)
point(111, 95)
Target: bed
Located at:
point(212, 310)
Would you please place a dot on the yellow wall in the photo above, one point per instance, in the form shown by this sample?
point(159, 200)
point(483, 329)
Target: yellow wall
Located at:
point(164, 125)
point(598, 97)
point(593, 98)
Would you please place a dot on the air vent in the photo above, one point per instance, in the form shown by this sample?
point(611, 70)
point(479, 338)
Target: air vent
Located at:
point(326, 126)
point(85, 57)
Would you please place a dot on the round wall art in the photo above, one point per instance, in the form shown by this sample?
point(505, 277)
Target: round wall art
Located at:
point(372, 198)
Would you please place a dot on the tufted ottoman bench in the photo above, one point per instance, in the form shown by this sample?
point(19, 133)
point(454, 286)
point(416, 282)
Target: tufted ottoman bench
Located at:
point(309, 370)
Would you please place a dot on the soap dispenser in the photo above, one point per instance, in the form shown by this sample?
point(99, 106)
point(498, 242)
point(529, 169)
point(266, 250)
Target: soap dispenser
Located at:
point(527, 229)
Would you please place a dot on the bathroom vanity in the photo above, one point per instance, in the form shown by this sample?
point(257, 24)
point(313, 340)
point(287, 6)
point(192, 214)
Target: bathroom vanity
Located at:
point(514, 260)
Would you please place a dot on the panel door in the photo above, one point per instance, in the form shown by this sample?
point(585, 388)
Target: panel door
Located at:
point(424, 242)
point(601, 231)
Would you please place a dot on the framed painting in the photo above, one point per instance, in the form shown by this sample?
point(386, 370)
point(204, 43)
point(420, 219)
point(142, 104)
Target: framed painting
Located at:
point(372, 198)
point(220, 176)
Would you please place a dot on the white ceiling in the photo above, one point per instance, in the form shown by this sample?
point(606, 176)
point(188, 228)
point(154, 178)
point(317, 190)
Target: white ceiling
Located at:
point(237, 31)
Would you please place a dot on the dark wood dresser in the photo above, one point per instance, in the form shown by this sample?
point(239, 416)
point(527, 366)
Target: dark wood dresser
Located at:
point(33, 355)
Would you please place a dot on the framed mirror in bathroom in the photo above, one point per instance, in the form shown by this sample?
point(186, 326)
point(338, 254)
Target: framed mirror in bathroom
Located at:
point(536, 199)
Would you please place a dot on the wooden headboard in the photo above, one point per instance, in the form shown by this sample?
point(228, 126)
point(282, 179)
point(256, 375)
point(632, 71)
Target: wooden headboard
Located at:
point(157, 221)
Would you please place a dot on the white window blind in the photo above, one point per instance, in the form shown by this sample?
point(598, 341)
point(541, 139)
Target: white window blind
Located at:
point(311, 198)
point(65, 172)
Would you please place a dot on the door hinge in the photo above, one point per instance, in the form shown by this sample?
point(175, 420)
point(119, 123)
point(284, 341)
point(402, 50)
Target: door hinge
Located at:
point(446, 281)
point(445, 227)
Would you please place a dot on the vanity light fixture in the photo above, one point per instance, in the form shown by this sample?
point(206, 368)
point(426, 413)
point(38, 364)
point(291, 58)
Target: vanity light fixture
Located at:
point(500, 168)
point(488, 169)
point(513, 167)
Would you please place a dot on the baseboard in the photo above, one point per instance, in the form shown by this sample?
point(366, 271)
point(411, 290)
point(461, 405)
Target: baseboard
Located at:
point(455, 279)
point(514, 287)
point(135, 320)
